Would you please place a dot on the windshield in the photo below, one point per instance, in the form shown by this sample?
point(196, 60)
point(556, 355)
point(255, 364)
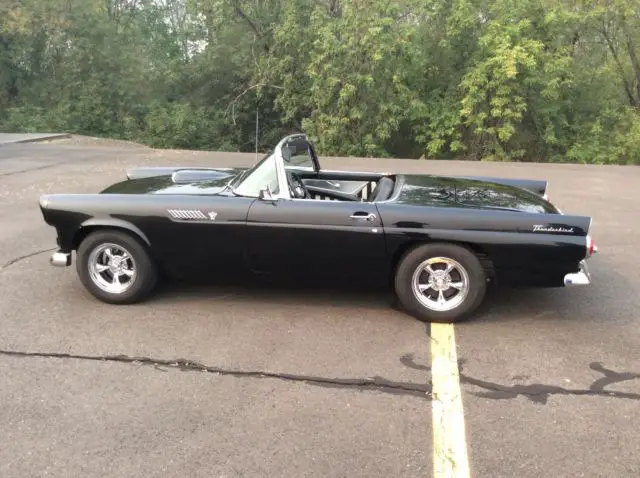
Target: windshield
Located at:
point(257, 178)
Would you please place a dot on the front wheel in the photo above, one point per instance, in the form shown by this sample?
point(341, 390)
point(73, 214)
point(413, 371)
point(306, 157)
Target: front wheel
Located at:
point(115, 267)
point(440, 282)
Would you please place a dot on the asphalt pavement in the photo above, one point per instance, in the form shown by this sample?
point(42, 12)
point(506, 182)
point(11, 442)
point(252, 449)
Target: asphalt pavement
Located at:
point(225, 380)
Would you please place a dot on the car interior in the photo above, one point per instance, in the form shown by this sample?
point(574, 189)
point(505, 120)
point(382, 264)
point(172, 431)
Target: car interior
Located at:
point(341, 185)
point(306, 183)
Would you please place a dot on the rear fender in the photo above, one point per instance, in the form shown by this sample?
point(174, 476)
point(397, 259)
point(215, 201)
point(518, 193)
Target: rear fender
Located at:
point(538, 186)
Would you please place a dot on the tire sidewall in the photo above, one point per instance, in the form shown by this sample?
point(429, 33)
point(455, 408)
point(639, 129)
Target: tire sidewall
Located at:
point(467, 259)
point(146, 275)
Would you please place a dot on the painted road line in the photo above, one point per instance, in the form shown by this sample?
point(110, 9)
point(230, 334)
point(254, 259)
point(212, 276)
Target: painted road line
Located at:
point(449, 436)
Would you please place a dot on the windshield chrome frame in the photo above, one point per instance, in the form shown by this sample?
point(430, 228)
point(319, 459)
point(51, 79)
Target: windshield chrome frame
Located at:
point(281, 172)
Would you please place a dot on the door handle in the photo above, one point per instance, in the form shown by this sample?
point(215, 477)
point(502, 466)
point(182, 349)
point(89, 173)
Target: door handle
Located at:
point(365, 216)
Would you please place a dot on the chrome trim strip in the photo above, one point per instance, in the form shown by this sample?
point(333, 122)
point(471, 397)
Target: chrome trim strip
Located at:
point(44, 201)
point(283, 184)
point(545, 196)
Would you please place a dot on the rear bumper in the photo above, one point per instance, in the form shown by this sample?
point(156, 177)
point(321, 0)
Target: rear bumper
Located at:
point(582, 277)
point(60, 259)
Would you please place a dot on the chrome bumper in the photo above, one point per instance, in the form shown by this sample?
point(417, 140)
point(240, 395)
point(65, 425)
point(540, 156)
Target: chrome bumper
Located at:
point(61, 259)
point(582, 277)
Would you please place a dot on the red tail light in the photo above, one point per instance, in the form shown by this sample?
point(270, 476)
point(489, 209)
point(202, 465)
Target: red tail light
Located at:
point(591, 247)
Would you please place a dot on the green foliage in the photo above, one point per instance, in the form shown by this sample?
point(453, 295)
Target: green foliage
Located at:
point(350, 76)
point(527, 80)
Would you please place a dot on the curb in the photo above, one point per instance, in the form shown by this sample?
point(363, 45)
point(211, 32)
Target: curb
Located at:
point(36, 139)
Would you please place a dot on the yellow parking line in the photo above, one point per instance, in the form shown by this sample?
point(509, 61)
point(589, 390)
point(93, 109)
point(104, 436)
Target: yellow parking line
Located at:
point(449, 435)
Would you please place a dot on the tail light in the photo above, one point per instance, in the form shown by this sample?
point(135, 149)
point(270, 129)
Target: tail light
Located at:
point(591, 247)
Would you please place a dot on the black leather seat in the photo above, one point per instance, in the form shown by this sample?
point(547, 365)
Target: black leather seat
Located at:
point(383, 190)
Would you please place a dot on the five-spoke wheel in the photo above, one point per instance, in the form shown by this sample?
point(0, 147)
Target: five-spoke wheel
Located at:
point(440, 282)
point(115, 267)
point(112, 268)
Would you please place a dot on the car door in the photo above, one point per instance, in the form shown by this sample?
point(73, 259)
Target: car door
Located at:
point(303, 237)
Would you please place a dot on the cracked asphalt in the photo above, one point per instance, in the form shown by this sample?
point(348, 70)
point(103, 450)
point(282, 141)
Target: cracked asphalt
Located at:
point(224, 380)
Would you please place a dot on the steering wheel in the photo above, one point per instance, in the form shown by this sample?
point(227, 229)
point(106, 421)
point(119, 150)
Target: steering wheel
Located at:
point(296, 186)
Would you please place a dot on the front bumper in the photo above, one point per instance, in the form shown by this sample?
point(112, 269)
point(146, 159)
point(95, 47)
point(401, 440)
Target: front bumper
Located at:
point(582, 277)
point(60, 259)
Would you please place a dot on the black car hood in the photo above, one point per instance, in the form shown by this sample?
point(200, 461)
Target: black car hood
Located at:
point(174, 181)
point(445, 191)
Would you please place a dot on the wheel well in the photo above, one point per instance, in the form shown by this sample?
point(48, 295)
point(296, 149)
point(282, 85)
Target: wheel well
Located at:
point(83, 232)
point(478, 250)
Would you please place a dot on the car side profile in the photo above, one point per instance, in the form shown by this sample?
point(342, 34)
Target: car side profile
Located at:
point(439, 240)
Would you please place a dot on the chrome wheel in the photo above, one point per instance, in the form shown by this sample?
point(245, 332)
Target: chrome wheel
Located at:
point(112, 268)
point(440, 283)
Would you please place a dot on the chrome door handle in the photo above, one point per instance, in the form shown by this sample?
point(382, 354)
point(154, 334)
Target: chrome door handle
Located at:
point(366, 217)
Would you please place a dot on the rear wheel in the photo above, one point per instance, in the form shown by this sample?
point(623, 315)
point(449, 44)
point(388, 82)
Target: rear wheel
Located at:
point(440, 282)
point(115, 267)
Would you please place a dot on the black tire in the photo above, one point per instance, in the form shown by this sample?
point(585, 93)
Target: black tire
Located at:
point(146, 274)
point(475, 278)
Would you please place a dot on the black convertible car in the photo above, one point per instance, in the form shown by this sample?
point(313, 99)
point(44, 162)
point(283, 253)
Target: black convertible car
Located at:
point(438, 240)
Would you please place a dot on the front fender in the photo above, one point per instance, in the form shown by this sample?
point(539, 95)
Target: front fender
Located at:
point(96, 222)
point(75, 215)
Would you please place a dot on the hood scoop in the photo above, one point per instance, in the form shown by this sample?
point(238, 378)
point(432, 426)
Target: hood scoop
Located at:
point(186, 176)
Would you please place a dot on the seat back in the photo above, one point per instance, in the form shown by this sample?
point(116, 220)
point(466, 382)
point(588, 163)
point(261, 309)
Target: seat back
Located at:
point(383, 190)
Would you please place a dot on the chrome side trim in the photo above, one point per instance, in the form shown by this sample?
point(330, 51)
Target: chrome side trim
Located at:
point(545, 196)
point(186, 214)
point(60, 259)
point(45, 200)
point(582, 277)
point(281, 174)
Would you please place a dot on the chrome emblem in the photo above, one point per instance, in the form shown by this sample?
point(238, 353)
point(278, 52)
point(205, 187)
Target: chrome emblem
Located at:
point(541, 228)
point(213, 215)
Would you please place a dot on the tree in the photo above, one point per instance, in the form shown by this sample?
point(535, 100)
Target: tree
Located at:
point(528, 80)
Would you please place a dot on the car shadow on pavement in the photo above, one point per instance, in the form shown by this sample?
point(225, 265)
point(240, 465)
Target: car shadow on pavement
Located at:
point(584, 303)
point(314, 292)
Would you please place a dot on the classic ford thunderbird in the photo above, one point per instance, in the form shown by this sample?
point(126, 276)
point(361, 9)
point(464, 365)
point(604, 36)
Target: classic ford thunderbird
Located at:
point(436, 240)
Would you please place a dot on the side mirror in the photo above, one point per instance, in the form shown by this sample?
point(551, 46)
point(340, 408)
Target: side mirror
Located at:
point(265, 194)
